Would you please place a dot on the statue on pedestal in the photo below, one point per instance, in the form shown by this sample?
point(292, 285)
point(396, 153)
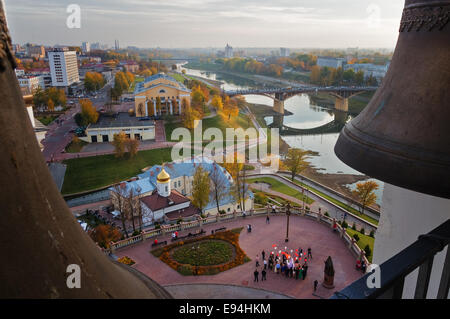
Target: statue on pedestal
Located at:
point(328, 281)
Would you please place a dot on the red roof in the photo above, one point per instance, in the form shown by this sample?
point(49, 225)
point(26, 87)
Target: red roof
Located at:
point(186, 212)
point(156, 202)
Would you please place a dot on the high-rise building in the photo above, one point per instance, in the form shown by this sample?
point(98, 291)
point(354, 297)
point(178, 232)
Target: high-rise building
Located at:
point(63, 67)
point(116, 45)
point(86, 47)
point(284, 52)
point(229, 51)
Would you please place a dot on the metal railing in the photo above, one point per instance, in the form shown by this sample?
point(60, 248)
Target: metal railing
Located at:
point(419, 255)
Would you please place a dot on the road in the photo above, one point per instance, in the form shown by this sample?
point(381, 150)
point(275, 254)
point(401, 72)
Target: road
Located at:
point(59, 136)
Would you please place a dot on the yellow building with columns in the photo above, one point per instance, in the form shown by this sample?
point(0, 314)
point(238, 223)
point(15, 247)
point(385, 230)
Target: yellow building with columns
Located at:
point(159, 95)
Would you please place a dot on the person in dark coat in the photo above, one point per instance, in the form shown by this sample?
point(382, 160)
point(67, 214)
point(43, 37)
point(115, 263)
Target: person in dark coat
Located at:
point(263, 273)
point(256, 274)
point(315, 285)
point(309, 253)
point(263, 254)
point(305, 270)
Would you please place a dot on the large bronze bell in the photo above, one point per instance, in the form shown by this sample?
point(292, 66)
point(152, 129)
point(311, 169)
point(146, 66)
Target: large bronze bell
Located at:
point(403, 136)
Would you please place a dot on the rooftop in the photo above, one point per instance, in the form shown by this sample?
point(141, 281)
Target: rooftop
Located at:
point(122, 120)
point(140, 87)
point(156, 202)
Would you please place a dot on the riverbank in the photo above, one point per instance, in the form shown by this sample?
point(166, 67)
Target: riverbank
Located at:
point(337, 182)
point(355, 104)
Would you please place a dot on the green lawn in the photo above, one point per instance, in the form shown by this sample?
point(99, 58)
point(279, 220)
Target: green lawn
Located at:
point(282, 188)
point(84, 174)
point(46, 120)
point(204, 253)
point(177, 77)
point(338, 203)
point(363, 241)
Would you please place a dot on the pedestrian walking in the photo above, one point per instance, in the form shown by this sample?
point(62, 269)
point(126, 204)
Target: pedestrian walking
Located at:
point(309, 253)
point(315, 285)
point(263, 273)
point(265, 264)
point(256, 274)
point(267, 219)
point(263, 254)
point(273, 209)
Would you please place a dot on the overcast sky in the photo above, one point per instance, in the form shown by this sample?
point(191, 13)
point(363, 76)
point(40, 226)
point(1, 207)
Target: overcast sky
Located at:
point(210, 23)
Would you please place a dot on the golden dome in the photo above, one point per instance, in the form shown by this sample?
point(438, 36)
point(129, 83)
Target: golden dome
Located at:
point(163, 177)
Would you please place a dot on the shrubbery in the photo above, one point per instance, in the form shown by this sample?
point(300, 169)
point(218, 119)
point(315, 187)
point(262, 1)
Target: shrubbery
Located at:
point(368, 251)
point(188, 270)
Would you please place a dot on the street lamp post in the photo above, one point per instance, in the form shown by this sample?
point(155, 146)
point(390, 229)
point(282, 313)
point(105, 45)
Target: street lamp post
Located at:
point(288, 213)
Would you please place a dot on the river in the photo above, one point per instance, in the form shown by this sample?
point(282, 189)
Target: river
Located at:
point(305, 115)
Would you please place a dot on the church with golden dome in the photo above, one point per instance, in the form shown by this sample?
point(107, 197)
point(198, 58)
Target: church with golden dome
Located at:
point(163, 192)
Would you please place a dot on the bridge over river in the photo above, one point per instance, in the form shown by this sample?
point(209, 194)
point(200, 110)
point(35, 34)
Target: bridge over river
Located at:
point(279, 95)
point(335, 126)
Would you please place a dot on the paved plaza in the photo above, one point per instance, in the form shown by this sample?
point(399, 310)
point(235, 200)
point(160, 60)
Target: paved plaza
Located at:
point(303, 233)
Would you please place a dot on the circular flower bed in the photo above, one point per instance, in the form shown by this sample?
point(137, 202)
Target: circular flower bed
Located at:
point(204, 253)
point(207, 260)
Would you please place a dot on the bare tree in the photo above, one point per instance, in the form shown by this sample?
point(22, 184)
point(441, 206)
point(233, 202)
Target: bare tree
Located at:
point(218, 185)
point(130, 207)
point(120, 196)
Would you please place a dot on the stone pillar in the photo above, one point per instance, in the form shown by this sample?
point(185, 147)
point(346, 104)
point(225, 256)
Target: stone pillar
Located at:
point(352, 242)
point(179, 107)
point(154, 107)
point(234, 214)
point(200, 222)
point(143, 235)
point(278, 106)
point(171, 107)
point(342, 232)
point(112, 248)
point(341, 104)
point(146, 108)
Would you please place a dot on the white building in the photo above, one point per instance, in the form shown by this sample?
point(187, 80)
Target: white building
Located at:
point(164, 192)
point(29, 83)
point(369, 69)
point(229, 51)
point(284, 52)
point(63, 67)
point(330, 62)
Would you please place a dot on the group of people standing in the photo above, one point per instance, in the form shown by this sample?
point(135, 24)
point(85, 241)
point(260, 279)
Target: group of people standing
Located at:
point(285, 265)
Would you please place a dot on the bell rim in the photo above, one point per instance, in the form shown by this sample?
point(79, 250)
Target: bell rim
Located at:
point(390, 165)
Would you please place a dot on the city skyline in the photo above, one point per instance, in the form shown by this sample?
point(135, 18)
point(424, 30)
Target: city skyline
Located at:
point(209, 23)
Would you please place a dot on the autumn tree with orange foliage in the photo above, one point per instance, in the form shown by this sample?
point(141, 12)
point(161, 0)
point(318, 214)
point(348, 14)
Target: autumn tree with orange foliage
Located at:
point(103, 235)
point(365, 194)
point(89, 113)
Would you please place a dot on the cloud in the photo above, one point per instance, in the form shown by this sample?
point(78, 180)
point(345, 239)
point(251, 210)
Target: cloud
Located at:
point(207, 22)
